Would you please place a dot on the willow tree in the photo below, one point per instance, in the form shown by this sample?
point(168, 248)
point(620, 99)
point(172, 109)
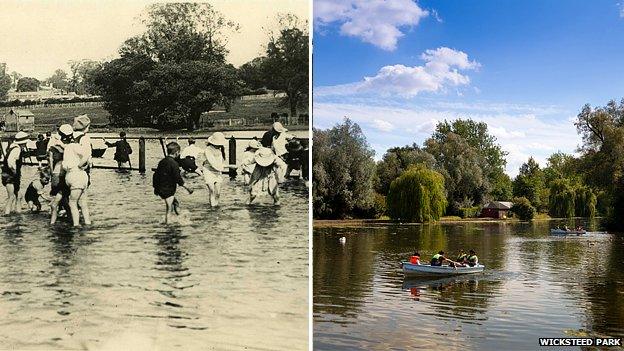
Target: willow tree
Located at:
point(417, 195)
point(561, 199)
point(585, 202)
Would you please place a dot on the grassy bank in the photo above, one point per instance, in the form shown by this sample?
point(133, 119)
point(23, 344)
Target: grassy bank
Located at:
point(253, 111)
point(324, 223)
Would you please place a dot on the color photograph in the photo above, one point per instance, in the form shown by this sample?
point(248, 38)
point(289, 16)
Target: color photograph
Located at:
point(467, 175)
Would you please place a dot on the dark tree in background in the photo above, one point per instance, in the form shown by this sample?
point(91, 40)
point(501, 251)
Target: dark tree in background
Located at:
point(81, 74)
point(285, 67)
point(175, 71)
point(28, 84)
point(342, 172)
point(59, 80)
point(5, 85)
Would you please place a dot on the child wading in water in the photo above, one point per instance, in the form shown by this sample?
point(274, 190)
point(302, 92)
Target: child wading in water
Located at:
point(247, 163)
point(35, 191)
point(166, 179)
point(76, 161)
point(12, 172)
point(214, 160)
point(266, 175)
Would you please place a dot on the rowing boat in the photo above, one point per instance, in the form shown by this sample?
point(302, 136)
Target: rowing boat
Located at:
point(410, 269)
point(567, 232)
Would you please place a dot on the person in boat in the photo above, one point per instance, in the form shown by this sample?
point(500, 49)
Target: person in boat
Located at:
point(265, 177)
point(415, 259)
point(472, 259)
point(461, 260)
point(438, 259)
point(59, 191)
point(122, 150)
point(12, 172)
point(42, 149)
point(189, 156)
point(166, 179)
point(76, 162)
point(213, 163)
point(35, 191)
point(248, 164)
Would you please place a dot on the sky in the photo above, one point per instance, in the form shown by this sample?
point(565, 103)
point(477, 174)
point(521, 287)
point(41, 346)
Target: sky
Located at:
point(39, 36)
point(398, 67)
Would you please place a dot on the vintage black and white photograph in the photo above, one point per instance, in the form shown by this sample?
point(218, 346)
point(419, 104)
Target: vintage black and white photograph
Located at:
point(155, 175)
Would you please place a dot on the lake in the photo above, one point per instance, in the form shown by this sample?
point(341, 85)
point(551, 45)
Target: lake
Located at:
point(534, 286)
point(235, 277)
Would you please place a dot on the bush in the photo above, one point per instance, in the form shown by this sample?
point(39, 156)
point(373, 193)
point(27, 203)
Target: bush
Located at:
point(470, 212)
point(379, 205)
point(523, 209)
point(417, 195)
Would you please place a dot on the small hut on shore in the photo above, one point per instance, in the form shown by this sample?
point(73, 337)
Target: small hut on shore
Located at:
point(496, 209)
point(17, 119)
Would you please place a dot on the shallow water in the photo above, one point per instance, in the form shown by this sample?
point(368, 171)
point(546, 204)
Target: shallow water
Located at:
point(235, 277)
point(534, 286)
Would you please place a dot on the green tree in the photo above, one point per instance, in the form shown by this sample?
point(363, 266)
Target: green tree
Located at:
point(463, 170)
point(397, 160)
point(287, 61)
point(59, 80)
point(502, 187)
point(342, 172)
point(529, 183)
point(523, 209)
point(562, 166)
point(561, 200)
point(28, 84)
point(585, 202)
point(417, 195)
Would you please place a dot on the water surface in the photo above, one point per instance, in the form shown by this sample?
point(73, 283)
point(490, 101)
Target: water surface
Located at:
point(534, 286)
point(235, 277)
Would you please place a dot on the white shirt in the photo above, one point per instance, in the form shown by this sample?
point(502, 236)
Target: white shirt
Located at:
point(13, 156)
point(279, 143)
point(191, 150)
point(75, 156)
point(213, 159)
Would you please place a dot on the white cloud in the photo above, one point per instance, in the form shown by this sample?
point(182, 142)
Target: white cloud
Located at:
point(382, 125)
point(441, 70)
point(620, 6)
point(378, 22)
point(522, 133)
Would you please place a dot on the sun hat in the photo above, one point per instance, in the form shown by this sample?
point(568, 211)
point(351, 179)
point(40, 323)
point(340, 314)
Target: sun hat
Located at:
point(264, 156)
point(21, 138)
point(217, 139)
point(254, 144)
point(81, 123)
point(278, 127)
point(65, 131)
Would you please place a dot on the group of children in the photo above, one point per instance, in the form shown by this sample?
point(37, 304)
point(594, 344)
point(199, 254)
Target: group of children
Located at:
point(69, 159)
point(261, 168)
point(68, 153)
point(438, 259)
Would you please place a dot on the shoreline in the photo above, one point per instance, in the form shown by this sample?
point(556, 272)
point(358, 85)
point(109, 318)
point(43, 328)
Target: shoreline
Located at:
point(356, 223)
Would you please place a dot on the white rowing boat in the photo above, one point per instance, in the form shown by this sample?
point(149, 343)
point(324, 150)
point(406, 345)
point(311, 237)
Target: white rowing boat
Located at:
point(410, 269)
point(567, 232)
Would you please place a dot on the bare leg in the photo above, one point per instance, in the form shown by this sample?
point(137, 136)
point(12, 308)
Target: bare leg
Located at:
point(74, 196)
point(10, 199)
point(84, 206)
point(211, 194)
point(55, 207)
point(217, 193)
point(169, 208)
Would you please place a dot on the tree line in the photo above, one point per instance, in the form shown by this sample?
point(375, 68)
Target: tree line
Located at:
point(460, 167)
point(175, 71)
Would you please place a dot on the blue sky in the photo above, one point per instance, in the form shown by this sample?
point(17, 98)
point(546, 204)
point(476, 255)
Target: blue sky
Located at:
point(397, 67)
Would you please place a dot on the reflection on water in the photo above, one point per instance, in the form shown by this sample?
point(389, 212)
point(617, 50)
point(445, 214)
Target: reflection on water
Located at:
point(235, 278)
point(534, 286)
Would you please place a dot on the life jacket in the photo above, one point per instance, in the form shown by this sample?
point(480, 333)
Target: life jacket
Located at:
point(436, 257)
point(472, 259)
point(415, 260)
point(461, 257)
point(18, 162)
